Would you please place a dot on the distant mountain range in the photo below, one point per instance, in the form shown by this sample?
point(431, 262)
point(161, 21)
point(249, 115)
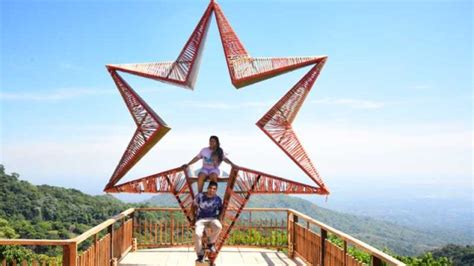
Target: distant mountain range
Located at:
point(402, 240)
point(428, 207)
point(58, 213)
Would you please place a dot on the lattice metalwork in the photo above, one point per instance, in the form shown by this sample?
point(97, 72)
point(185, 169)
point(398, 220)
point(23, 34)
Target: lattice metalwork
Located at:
point(244, 182)
point(183, 71)
point(150, 129)
point(261, 183)
point(276, 123)
point(244, 69)
point(174, 181)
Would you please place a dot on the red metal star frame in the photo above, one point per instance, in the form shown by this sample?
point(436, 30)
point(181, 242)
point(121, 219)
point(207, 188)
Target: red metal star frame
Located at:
point(244, 70)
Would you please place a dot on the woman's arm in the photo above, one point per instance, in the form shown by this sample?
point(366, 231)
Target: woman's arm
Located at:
point(195, 159)
point(227, 161)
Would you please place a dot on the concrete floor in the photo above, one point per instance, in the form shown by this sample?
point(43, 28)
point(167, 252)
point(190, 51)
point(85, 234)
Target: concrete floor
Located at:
point(227, 256)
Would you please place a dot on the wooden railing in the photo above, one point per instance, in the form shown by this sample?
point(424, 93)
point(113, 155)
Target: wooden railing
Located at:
point(286, 229)
point(111, 240)
point(161, 227)
point(168, 227)
point(316, 249)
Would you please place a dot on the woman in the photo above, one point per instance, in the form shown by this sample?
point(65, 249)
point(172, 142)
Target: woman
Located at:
point(212, 157)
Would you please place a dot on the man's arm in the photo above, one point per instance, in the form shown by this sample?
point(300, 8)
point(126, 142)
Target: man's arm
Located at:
point(196, 200)
point(195, 206)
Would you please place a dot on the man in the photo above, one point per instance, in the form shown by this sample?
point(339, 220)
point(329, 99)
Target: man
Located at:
point(208, 213)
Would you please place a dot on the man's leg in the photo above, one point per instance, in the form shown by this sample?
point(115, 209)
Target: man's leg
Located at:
point(216, 227)
point(198, 238)
point(201, 178)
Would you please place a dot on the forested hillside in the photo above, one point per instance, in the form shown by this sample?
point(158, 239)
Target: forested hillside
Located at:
point(51, 212)
point(383, 235)
point(47, 212)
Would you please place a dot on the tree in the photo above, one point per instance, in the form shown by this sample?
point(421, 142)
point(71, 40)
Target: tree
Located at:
point(6, 231)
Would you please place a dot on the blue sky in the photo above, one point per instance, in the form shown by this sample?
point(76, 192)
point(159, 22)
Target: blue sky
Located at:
point(392, 106)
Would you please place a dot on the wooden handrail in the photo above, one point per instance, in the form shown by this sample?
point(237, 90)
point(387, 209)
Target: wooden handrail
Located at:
point(267, 209)
point(179, 209)
point(70, 254)
point(96, 229)
point(68, 243)
point(158, 209)
point(345, 237)
point(65, 242)
point(36, 242)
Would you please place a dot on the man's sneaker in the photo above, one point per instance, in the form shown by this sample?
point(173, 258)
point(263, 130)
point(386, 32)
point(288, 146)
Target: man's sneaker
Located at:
point(212, 248)
point(200, 258)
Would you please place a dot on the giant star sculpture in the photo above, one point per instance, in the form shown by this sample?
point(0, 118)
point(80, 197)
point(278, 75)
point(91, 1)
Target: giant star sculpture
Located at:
point(276, 123)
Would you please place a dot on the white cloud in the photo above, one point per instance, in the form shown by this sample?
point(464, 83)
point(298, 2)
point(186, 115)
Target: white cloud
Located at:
point(344, 156)
point(391, 157)
point(60, 94)
point(352, 103)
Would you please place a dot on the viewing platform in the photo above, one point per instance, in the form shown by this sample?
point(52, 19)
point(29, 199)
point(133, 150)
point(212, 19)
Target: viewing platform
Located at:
point(162, 236)
point(232, 256)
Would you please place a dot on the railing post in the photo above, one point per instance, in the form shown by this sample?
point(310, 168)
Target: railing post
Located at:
point(295, 222)
point(376, 261)
point(345, 253)
point(134, 222)
point(96, 249)
point(324, 236)
point(111, 251)
point(172, 228)
point(132, 216)
point(122, 240)
point(70, 254)
point(291, 221)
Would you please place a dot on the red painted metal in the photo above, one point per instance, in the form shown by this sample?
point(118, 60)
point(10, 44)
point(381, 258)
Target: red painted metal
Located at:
point(233, 205)
point(276, 123)
point(183, 71)
point(174, 181)
point(150, 129)
point(244, 182)
point(244, 69)
point(261, 183)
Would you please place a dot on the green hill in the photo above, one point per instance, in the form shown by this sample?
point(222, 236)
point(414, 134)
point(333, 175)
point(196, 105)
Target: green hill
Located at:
point(51, 212)
point(381, 234)
point(460, 255)
point(48, 212)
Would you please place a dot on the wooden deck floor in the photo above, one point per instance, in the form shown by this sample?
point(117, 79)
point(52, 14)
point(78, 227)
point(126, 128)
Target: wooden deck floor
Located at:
point(227, 256)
